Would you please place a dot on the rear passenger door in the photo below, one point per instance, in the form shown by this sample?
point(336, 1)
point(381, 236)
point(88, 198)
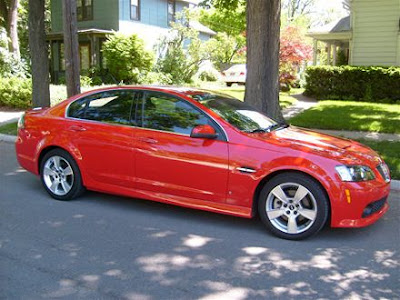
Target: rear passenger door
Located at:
point(101, 128)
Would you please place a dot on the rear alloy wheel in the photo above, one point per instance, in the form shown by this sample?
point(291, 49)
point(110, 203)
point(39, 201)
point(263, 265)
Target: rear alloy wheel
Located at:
point(60, 175)
point(293, 206)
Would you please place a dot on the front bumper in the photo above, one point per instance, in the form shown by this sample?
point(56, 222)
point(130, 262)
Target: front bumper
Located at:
point(363, 204)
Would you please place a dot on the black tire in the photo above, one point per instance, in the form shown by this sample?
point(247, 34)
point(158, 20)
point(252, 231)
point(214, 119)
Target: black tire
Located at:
point(57, 180)
point(309, 212)
point(229, 84)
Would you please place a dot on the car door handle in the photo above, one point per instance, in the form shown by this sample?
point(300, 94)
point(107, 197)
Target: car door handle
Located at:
point(77, 128)
point(148, 140)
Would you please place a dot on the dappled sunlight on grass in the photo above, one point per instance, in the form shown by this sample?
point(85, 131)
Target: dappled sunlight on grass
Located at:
point(347, 115)
point(390, 152)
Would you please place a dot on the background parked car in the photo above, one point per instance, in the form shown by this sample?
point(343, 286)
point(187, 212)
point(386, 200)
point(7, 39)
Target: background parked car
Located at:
point(235, 74)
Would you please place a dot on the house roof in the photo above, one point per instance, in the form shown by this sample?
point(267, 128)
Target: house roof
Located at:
point(196, 2)
point(56, 35)
point(342, 25)
point(201, 28)
point(339, 30)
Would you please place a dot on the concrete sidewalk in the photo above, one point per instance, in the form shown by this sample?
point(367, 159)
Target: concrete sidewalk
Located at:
point(303, 103)
point(7, 117)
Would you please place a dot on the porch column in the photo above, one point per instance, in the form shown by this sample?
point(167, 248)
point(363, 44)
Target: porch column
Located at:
point(315, 52)
point(329, 54)
point(334, 54)
point(93, 50)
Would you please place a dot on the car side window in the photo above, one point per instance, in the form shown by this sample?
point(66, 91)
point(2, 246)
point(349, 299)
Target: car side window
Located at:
point(167, 113)
point(114, 107)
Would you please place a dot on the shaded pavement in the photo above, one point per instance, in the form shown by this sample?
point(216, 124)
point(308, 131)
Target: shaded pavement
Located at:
point(108, 247)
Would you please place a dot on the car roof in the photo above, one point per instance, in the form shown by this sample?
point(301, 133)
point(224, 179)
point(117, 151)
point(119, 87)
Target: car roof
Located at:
point(186, 91)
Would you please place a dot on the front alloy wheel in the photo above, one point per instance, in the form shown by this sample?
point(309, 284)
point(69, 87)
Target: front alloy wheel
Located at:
point(293, 206)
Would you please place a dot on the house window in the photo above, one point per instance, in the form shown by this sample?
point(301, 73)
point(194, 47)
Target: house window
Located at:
point(171, 11)
point(84, 10)
point(135, 10)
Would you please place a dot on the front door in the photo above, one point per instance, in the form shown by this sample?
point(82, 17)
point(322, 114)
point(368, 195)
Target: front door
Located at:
point(169, 161)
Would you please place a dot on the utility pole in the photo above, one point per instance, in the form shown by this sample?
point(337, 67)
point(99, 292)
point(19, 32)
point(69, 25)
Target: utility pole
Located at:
point(71, 48)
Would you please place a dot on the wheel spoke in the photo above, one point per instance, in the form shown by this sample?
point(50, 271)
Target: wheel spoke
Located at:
point(56, 161)
point(68, 171)
point(48, 172)
point(65, 186)
point(300, 194)
point(292, 225)
point(280, 194)
point(275, 213)
point(308, 213)
point(54, 186)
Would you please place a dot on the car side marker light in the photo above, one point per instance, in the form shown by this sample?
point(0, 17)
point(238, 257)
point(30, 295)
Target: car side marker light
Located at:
point(348, 196)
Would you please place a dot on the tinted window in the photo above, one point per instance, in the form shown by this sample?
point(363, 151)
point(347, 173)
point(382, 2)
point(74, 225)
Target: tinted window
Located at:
point(110, 107)
point(239, 114)
point(163, 112)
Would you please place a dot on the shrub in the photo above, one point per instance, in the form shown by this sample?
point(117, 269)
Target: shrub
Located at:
point(376, 84)
point(86, 81)
point(127, 59)
point(15, 92)
point(156, 78)
point(181, 52)
point(209, 75)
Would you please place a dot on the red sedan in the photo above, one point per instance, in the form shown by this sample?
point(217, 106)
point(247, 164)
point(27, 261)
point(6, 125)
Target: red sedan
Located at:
point(203, 150)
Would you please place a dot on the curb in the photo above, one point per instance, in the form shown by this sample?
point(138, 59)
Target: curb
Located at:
point(394, 185)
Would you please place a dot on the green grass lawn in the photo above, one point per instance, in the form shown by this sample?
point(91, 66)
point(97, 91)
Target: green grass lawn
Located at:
point(286, 99)
point(10, 128)
point(349, 115)
point(390, 152)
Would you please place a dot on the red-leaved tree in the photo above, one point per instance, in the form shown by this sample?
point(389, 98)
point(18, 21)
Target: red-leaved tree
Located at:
point(293, 51)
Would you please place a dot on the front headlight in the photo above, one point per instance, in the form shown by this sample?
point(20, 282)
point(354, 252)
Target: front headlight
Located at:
point(355, 173)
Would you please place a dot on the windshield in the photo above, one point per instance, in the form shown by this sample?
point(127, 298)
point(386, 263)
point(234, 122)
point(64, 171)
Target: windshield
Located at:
point(235, 112)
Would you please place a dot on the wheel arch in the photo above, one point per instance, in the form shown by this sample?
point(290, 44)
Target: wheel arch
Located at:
point(254, 210)
point(49, 148)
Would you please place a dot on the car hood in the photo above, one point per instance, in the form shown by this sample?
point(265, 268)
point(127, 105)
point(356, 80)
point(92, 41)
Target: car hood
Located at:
point(343, 150)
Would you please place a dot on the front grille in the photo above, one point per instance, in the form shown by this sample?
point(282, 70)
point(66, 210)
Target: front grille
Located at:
point(383, 170)
point(374, 207)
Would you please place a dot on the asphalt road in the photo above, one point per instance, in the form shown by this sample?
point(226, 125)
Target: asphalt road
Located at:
point(108, 247)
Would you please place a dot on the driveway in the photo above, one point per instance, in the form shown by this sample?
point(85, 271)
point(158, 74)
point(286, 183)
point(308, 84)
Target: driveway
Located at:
point(108, 247)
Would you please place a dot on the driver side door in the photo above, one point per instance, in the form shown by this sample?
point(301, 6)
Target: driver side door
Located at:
point(169, 161)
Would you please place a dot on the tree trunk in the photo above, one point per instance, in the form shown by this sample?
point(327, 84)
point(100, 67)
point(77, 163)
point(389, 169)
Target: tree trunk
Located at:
point(263, 32)
point(13, 28)
point(71, 48)
point(39, 54)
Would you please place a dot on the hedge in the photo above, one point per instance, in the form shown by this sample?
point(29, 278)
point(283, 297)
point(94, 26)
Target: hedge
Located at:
point(15, 92)
point(372, 84)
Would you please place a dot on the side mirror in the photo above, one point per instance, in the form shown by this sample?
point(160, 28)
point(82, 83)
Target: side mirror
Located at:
point(203, 132)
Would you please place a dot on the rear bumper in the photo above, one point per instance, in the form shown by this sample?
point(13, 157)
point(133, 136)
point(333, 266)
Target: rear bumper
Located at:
point(25, 151)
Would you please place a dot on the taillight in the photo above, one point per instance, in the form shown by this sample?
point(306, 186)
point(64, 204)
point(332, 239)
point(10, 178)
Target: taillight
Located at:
point(241, 73)
point(223, 73)
point(21, 122)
